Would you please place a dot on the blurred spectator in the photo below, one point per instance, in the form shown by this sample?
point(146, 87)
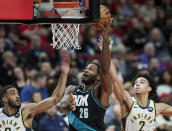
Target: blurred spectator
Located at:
point(19, 78)
point(34, 52)
point(30, 74)
point(28, 31)
point(166, 6)
point(37, 85)
point(8, 43)
point(36, 97)
point(117, 119)
point(168, 28)
point(133, 69)
point(165, 83)
point(2, 49)
point(128, 8)
point(43, 57)
point(166, 78)
point(46, 68)
point(148, 10)
point(51, 84)
point(108, 119)
point(160, 21)
point(125, 61)
point(170, 45)
point(149, 52)
point(148, 25)
point(142, 69)
point(159, 42)
point(154, 65)
point(9, 62)
point(136, 38)
point(52, 121)
point(89, 42)
point(14, 35)
point(117, 65)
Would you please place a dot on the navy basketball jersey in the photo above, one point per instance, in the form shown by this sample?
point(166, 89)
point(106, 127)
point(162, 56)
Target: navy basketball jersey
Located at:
point(89, 113)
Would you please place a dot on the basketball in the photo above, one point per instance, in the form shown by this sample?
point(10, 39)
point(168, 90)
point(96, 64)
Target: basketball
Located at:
point(104, 15)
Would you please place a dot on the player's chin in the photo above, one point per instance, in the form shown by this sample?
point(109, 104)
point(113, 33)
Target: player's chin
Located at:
point(18, 103)
point(136, 91)
point(84, 79)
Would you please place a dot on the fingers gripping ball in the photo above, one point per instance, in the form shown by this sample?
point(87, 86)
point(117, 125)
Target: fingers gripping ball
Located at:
point(104, 15)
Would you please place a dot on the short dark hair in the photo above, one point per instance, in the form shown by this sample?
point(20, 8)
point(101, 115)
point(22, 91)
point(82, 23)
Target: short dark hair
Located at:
point(152, 83)
point(4, 90)
point(98, 66)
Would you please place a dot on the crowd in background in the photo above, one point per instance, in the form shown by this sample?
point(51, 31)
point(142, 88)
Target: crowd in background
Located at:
point(142, 35)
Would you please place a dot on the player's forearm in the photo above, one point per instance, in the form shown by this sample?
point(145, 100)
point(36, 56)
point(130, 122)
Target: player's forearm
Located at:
point(59, 90)
point(117, 84)
point(115, 79)
point(53, 100)
point(105, 57)
point(167, 111)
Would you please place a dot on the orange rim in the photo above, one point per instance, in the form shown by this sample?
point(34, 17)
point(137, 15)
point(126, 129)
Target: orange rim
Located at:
point(37, 1)
point(65, 4)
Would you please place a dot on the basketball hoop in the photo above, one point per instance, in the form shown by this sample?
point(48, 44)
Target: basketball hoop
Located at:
point(65, 35)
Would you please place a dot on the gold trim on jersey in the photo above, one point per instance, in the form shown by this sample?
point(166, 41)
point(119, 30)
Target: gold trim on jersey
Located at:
point(130, 110)
point(22, 118)
point(154, 108)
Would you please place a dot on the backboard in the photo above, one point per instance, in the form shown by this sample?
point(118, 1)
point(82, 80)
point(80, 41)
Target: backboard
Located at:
point(49, 11)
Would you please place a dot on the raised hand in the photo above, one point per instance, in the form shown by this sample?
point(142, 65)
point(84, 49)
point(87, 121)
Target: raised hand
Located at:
point(65, 60)
point(100, 43)
point(106, 28)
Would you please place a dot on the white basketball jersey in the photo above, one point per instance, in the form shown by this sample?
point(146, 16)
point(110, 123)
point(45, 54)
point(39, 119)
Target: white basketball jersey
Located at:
point(140, 118)
point(11, 122)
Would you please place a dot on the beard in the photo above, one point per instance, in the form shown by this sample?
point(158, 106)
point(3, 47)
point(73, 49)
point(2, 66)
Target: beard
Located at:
point(12, 104)
point(89, 81)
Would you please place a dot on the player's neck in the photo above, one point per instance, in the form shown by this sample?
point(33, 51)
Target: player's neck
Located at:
point(10, 110)
point(88, 87)
point(142, 99)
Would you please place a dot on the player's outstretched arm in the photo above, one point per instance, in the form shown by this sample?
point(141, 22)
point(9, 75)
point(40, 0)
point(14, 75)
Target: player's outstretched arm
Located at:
point(34, 108)
point(162, 108)
point(122, 95)
point(105, 81)
point(118, 89)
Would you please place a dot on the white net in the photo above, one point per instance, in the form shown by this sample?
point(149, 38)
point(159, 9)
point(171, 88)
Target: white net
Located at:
point(65, 36)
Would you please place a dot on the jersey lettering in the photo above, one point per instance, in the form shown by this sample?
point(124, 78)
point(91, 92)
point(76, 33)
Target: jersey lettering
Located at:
point(141, 118)
point(81, 100)
point(12, 123)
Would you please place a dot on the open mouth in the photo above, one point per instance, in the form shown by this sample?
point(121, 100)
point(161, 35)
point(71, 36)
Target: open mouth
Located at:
point(137, 89)
point(85, 75)
point(18, 101)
